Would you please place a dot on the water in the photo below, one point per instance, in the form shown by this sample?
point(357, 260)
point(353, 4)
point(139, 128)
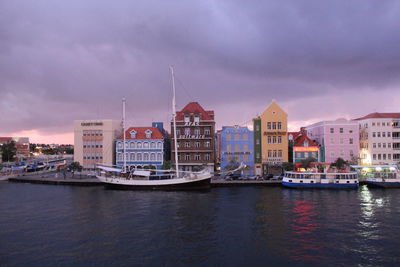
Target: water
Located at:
point(42, 225)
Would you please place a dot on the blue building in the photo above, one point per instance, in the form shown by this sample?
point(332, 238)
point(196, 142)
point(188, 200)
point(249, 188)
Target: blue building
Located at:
point(144, 146)
point(236, 146)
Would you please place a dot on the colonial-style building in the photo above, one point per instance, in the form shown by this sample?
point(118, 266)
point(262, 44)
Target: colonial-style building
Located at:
point(94, 141)
point(337, 139)
point(303, 147)
point(270, 138)
point(380, 138)
point(144, 147)
point(236, 146)
point(196, 138)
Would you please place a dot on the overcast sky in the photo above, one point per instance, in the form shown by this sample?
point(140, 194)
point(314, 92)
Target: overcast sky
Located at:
point(67, 60)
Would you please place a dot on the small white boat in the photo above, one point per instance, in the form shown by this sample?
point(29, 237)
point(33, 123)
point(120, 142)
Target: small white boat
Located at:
point(320, 180)
point(385, 176)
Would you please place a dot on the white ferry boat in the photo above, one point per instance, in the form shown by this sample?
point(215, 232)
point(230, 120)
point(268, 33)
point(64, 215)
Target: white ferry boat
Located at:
point(320, 180)
point(379, 175)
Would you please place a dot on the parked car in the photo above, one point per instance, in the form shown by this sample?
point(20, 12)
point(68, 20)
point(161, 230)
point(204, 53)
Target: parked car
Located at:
point(232, 176)
point(268, 176)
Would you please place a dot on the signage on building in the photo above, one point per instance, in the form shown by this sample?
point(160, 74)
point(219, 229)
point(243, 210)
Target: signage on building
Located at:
point(200, 136)
point(305, 149)
point(237, 153)
point(274, 133)
point(194, 123)
point(91, 124)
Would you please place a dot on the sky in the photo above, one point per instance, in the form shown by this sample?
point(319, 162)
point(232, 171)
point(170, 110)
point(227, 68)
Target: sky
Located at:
point(62, 61)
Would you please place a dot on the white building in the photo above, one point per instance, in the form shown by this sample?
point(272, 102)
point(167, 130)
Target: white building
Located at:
point(94, 141)
point(380, 138)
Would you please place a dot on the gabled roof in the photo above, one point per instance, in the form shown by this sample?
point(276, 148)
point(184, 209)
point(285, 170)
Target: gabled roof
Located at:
point(301, 138)
point(294, 134)
point(141, 133)
point(377, 115)
point(196, 108)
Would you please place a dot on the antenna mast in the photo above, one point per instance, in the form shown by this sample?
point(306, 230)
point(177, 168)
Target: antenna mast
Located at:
point(123, 130)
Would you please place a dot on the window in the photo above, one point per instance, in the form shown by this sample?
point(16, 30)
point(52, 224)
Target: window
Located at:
point(269, 138)
point(389, 145)
point(274, 139)
point(350, 131)
point(279, 125)
point(145, 156)
point(228, 137)
point(245, 157)
point(133, 134)
point(341, 130)
point(374, 145)
point(197, 157)
point(197, 131)
point(236, 147)
point(207, 131)
point(274, 154)
point(187, 156)
point(245, 137)
point(389, 156)
point(379, 156)
point(187, 118)
point(279, 153)
point(139, 145)
point(145, 145)
point(258, 155)
point(245, 147)
point(159, 145)
point(373, 134)
point(379, 134)
point(383, 134)
point(207, 156)
point(384, 156)
point(148, 134)
point(187, 131)
point(196, 118)
point(159, 157)
point(274, 126)
point(237, 137)
point(270, 153)
point(378, 124)
point(269, 126)
point(341, 141)
point(373, 124)
point(342, 153)
point(207, 143)
point(279, 139)
point(350, 141)
point(374, 156)
point(332, 141)
point(332, 130)
point(384, 145)
point(119, 144)
point(139, 156)
point(351, 153)
point(153, 156)
point(178, 132)
point(379, 145)
point(388, 135)
point(132, 145)
point(187, 144)
point(332, 154)
point(132, 157)
point(197, 144)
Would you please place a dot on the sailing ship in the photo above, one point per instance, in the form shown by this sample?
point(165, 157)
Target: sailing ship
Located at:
point(123, 178)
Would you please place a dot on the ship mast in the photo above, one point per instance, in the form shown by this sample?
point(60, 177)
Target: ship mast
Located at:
point(174, 122)
point(123, 130)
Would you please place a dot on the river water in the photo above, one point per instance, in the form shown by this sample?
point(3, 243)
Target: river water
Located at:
point(44, 225)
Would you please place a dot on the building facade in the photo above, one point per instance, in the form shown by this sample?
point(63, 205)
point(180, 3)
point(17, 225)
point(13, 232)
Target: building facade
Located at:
point(337, 139)
point(380, 138)
point(94, 142)
point(144, 147)
point(236, 147)
point(303, 147)
point(270, 138)
point(195, 137)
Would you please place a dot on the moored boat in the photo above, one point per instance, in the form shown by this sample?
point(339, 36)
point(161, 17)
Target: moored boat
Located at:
point(346, 180)
point(385, 176)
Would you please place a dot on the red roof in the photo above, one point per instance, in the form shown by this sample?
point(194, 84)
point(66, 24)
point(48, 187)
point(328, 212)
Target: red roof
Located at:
point(141, 133)
point(294, 134)
point(5, 139)
point(195, 108)
point(303, 137)
point(377, 115)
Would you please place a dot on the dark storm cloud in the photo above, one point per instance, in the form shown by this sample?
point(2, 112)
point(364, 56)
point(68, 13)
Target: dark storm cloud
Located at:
point(66, 60)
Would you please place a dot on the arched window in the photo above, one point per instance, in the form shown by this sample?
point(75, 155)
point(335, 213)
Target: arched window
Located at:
point(153, 156)
point(139, 156)
point(133, 134)
point(145, 156)
point(145, 145)
point(148, 133)
point(132, 145)
point(119, 156)
point(139, 145)
point(159, 156)
point(153, 145)
point(132, 157)
point(159, 145)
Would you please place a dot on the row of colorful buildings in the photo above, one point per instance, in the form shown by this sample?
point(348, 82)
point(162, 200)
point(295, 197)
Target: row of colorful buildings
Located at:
point(372, 139)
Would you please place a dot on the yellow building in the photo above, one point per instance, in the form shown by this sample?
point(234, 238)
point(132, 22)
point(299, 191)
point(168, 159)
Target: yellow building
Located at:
point(270, 138)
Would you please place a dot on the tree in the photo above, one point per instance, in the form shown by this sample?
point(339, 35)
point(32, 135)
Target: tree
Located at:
point(75, 166)
point(233, 164)
point(288, 166)
point(306, 163)
point(9, 151)
point(340, 164)
point(167, 165)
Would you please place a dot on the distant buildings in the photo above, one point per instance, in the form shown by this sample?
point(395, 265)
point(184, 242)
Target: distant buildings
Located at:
point(196, 138)
point(379, 138)
point(94, 141)
point(21, 145)
point(144, 147)
point(337, 139)
point(236, 146)
point(270, 138)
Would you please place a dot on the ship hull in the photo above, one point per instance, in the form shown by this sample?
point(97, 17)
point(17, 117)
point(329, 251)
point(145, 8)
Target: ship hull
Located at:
point(383, 184)
point(320, 185)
